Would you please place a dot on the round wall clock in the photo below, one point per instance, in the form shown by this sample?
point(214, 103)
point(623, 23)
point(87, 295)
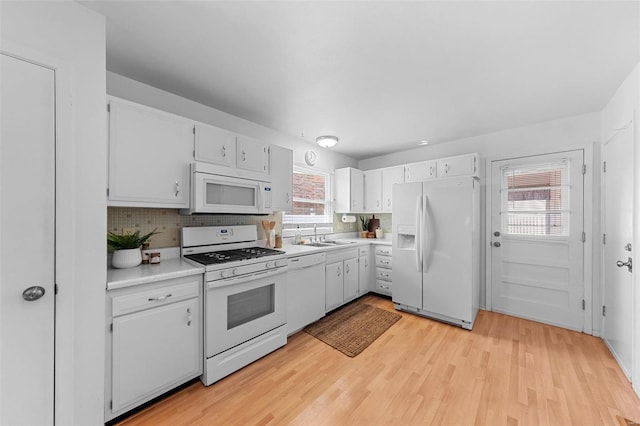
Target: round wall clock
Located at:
point(310, 157)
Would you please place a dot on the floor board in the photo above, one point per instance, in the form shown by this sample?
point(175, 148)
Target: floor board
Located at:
point(507, 371)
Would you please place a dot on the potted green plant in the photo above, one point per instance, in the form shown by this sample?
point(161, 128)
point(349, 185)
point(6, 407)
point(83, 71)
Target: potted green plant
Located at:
point(126, 248)
point(364, 222)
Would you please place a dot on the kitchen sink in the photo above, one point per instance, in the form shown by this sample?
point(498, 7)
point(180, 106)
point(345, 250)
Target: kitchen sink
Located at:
point(330, 243)
point(321, 244)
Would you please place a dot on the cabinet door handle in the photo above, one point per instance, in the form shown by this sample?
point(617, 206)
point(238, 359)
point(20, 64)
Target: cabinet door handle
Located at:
point(389, 202)
point(347, 269)
point(188, 317)
point(177, 188)
point(377, 203)
point(338, 271)
point(159, 298)
point(244, 155)
point(224, 151)
point(287, 198)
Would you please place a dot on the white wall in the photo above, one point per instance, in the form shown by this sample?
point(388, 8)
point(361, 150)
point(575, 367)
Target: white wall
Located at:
point(74, 38)
point(579, 132)
point(135, 91)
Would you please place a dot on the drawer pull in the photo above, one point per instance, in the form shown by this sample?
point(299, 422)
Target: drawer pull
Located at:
point(159, 298)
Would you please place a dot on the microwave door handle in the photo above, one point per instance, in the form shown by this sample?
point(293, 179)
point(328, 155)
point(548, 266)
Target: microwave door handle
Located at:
point(259, 201)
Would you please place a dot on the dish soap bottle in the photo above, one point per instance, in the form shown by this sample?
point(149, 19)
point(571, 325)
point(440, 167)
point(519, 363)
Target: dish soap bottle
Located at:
point(298, 236)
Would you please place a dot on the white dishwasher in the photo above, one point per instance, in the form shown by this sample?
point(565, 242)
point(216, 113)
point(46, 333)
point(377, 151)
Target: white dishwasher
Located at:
point(305, 291)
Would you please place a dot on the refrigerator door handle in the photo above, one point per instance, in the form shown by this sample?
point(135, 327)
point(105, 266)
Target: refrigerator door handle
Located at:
point(426, 235)
point(418, 241)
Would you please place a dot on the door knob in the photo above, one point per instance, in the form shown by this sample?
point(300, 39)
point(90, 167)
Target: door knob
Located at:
point(33, 293)
point(496, 234)
point(628, 264)
point(628, 247)
point(496, 244)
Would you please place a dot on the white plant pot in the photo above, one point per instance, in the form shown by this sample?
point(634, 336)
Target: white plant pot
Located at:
point(126, 258)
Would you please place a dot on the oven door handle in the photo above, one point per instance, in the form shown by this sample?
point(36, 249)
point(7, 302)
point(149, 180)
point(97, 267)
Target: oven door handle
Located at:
point(245, 278)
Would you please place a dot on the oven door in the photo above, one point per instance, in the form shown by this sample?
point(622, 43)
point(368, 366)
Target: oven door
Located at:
point(223, 194)
point(241, 308)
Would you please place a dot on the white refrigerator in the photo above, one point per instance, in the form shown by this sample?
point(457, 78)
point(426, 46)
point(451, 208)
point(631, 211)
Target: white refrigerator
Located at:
point(436, 251)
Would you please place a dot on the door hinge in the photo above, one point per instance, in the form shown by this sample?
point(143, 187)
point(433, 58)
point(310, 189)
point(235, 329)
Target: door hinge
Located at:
point(111, 327)
point(194, 153)
point(55, 289)
point(111, 404)
point(604, 311)
point(604, 238)
point(108, 107)
point(107, 192)
point(604, 166)
point(584, 169)
point(583, 304)
point(584, 237)
point(194, 130)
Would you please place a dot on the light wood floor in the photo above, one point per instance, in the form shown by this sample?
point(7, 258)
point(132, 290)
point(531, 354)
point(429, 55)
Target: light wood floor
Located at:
point(507, 371)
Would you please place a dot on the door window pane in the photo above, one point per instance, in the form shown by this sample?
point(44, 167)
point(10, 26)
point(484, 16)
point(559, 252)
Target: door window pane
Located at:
point(535, 199)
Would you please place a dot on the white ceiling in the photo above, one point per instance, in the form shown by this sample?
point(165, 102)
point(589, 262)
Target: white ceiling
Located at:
point(379, 75)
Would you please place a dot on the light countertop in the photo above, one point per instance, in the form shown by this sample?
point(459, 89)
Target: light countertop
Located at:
point(166, 269)
point(176, 267)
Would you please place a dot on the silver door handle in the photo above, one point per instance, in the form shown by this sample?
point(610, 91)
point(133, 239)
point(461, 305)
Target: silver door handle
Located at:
point(496, 244)
point(177, 188)
point(224, 151)
point(33, 293)
point(159, 298)
point(628, 264)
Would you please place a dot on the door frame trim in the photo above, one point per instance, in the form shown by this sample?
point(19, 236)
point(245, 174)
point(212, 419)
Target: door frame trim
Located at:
point(64, 200)
point(588, 200)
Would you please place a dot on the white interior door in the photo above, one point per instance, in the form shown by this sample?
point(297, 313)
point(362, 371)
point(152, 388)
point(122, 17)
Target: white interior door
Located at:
point(27, 224)
point(618, 228)
point(536, 238)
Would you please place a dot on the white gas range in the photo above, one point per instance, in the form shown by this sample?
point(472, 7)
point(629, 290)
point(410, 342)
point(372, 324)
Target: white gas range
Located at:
point(244, 298)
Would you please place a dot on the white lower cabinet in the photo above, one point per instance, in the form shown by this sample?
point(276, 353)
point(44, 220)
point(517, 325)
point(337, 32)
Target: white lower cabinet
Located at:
point(154, 341)
point(384, 277)
point(341, 278)
point(364, 270)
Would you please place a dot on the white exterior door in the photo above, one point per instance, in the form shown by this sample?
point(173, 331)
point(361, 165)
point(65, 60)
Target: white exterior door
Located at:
point(27, 224)
point(537, 251)
point(618, 228)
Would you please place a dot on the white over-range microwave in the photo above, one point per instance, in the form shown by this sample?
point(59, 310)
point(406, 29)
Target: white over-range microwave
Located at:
point(213, 192)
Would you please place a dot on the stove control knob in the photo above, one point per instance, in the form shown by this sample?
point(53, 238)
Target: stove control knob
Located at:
point(276, 263)
point(225, 274)
point(235, 271)
point(268, 265)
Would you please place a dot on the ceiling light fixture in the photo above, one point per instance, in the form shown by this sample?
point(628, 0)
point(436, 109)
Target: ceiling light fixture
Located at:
point(327, 141)
point(424, 143)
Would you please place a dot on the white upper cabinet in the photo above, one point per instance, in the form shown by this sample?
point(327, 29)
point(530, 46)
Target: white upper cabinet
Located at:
point(214, 145)
point(252, 155)
point(349, 190)
point(372, 191)
point(424, 170)
point(390, 176)
point(460, 165)
point(149, 155)
point(281, 178)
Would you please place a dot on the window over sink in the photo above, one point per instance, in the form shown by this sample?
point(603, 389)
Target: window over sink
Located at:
point(311, 202)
